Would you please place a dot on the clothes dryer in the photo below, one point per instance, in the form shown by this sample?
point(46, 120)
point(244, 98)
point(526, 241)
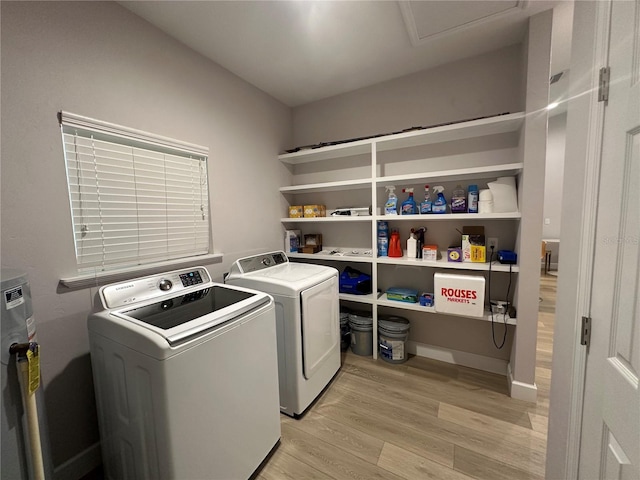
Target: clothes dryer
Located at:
point(307, 322)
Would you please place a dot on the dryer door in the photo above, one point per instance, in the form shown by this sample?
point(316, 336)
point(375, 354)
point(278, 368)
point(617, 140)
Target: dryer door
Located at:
point(320, 324)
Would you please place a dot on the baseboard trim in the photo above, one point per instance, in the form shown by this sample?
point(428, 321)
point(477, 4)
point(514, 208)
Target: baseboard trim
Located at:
point(80, 465)
point(456, 357)
point(527, 392)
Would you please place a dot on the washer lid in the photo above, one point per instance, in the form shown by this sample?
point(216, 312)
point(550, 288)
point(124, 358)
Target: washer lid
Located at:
point(285, 279)
point(183, 317)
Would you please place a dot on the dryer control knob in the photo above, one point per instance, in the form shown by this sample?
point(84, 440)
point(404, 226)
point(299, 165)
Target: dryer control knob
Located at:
point(165, 284)
point(266, 261)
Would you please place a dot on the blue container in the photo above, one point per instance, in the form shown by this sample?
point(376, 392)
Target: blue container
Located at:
point(472, 203)
point(402, 294)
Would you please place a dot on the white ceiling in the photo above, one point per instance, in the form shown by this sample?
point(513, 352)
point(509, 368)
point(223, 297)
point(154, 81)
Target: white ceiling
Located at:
point(303, 51)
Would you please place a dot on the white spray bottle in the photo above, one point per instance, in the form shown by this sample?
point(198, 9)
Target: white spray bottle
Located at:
point(391, 207)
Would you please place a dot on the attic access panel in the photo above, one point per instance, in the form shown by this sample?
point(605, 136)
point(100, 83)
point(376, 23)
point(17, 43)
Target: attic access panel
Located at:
point(427, 20)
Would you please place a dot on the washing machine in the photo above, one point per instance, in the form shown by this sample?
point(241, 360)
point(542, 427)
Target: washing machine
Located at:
point(186, 377)
point(307, 322)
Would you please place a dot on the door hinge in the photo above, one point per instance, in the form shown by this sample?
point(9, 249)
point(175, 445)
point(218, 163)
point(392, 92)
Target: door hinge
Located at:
point(603, 85)
point(585, 334)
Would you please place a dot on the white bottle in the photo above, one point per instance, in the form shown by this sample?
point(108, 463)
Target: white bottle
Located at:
point(412, 246)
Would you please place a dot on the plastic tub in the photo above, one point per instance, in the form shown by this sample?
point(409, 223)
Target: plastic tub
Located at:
point(392, 335)
point(361, 324)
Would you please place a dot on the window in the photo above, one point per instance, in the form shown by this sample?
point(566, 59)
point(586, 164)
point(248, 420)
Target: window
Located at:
point(136, 198)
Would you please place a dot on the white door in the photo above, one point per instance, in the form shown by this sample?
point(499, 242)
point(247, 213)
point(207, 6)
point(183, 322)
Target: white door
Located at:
point(610, 441)
point(320, 325)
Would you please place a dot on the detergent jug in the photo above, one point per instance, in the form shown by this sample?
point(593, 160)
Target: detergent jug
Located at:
point(395, 250)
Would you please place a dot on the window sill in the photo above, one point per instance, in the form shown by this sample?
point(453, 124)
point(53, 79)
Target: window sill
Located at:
point(101, 278)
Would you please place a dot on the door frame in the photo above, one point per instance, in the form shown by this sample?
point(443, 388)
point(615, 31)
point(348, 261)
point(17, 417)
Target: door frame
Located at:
point(585, 124)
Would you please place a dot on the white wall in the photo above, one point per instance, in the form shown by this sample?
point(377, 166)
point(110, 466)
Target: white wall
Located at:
point(553, 178)
point(99, 60)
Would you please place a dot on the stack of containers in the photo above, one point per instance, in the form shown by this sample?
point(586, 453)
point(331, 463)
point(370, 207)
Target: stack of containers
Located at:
point(361, 324)
point(383, 239)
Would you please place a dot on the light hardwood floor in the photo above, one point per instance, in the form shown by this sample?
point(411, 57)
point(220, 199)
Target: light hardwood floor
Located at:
point(421, 420)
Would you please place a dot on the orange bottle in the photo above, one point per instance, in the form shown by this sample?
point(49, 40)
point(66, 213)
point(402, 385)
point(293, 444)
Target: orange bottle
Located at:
point(395, 250)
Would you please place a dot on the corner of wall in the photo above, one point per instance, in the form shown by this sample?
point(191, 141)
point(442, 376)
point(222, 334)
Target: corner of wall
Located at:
point(531, 189)
point(527, 392)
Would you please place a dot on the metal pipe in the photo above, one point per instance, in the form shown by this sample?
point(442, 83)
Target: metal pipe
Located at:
point(30, 406)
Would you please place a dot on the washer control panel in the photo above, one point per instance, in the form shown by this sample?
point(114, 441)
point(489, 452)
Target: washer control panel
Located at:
point(191, 278)
point(153, 286)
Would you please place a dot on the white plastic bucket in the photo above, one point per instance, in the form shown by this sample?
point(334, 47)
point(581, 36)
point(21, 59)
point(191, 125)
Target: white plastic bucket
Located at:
point(393, 333)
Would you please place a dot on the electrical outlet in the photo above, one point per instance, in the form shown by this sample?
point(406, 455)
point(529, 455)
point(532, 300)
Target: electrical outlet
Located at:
point(492, 241)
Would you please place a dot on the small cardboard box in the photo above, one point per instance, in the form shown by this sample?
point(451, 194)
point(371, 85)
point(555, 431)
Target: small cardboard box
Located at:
point(473, 244)
point(310, 249)
point(454, 254)
point(478, 253)
point(430, 252)
point(313, 211)
point(296, 211)
point(312, 243)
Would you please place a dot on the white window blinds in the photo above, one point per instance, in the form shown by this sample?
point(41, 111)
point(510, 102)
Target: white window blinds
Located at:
point(135, 198)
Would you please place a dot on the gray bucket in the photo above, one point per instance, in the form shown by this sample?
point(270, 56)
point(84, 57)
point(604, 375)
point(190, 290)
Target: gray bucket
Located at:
point(345, 331)
point(361, 324)
point(392, 335)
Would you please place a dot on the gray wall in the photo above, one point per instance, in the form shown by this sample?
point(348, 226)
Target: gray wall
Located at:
point(480, 86)
point(99, 60)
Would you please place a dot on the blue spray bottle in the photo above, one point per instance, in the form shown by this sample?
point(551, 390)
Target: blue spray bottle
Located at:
point(425, 205)
point(409, 206)
point(440, 203)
